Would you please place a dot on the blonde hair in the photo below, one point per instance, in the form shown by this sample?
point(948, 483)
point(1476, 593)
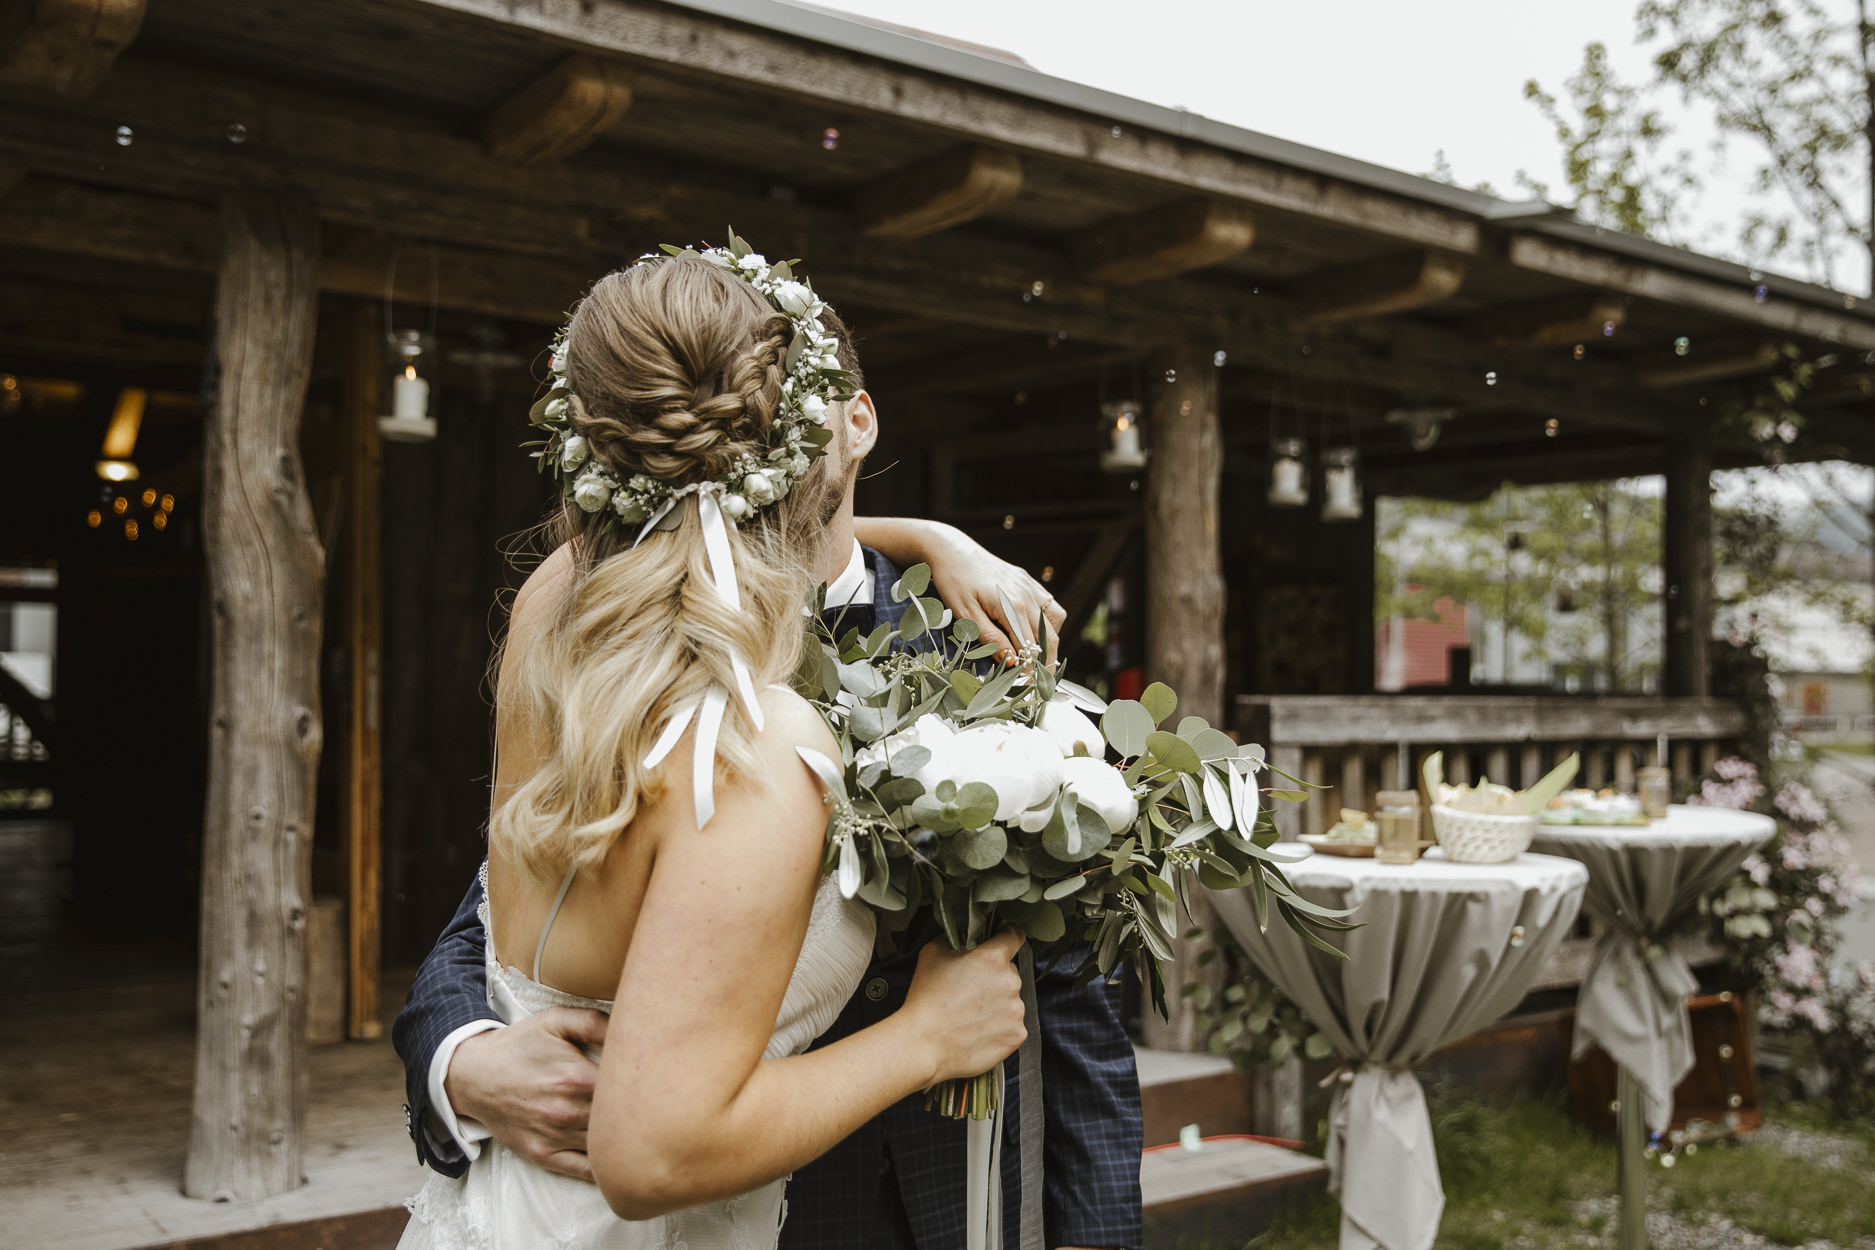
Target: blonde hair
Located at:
point(678, 368)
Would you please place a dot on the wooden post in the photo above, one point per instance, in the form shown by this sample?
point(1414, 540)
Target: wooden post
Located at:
point(362, 768)
point(1687, 552)
point(266, 581)
point(1184, 597)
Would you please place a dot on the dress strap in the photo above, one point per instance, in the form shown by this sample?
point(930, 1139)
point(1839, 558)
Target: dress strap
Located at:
point(566, 884)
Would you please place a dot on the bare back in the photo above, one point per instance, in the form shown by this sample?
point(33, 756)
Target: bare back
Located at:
point(591, 933)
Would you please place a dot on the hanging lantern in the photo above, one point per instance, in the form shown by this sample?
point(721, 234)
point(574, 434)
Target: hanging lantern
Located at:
point(1123, 421)
point(1341, 484)
point(410, 358)
point(1289, 481)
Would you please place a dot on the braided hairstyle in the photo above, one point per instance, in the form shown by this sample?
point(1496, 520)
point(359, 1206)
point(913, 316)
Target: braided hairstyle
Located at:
point(676, 369)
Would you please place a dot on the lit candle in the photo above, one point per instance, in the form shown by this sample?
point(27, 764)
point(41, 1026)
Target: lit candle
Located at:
point(1341, 502)
point(1286, 488)
point(411, 397)
point(1125, 439)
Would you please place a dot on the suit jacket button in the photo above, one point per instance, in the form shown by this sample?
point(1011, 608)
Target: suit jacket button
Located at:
point(876, 988)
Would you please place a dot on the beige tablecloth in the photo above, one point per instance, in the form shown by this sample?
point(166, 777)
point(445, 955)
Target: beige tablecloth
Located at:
point(1444, 949)
point(1642, 881)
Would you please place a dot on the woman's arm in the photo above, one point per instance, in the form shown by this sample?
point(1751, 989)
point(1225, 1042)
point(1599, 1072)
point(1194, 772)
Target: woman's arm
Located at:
point(686, 1109)
point(1004, 601)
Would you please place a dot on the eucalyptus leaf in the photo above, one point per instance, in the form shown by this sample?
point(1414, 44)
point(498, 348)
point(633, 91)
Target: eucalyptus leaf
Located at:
point(861, 679)
point(1159, 701)
point(981, 849)
point(999, 885)
point(1125, 726)
point(1172, 751)
point(1045, 923)
point(909, 759)
point(976, 806)
point(1213, 744)
point(1217, 800)
point(1081, 696)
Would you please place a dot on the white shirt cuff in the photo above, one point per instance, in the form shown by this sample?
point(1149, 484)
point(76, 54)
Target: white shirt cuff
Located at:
point(466, 1133)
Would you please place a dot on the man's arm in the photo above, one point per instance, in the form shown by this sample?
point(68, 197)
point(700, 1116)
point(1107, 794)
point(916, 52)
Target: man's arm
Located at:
point(1092, 1131)
point(469, 1077)
point(447, 1004)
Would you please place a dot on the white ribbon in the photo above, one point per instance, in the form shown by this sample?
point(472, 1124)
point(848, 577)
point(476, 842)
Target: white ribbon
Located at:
point(983, 1178)
point(722, 565)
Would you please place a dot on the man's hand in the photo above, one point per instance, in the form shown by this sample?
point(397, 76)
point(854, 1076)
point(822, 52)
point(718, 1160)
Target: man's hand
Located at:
point(530, 1086)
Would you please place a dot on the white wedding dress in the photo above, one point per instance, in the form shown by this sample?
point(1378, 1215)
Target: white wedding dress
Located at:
point(504, 1202)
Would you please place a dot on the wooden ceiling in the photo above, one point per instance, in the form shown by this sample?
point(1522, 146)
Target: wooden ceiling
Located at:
point(1050, 283)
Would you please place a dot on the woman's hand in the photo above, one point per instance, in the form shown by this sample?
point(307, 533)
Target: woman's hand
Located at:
point(1004, 601)
point(969, 1004)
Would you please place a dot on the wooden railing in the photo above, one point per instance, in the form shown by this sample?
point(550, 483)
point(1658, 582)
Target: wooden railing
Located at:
point(25, 735)
point(1357, 744)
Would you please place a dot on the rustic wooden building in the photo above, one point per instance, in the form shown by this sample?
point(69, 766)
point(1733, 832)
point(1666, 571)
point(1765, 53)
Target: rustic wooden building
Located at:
point(273, 639)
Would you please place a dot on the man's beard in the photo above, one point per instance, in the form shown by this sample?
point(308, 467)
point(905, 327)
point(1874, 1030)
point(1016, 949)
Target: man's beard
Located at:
point(834, 482)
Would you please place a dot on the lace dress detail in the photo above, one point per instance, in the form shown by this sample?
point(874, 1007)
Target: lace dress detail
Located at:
point(503, 1202)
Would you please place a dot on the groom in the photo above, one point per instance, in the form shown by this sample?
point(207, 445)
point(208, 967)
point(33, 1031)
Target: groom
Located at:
point(899, 1181)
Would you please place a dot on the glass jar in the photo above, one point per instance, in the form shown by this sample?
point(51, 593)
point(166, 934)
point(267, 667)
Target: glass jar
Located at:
point(1656, 786)
point(1398, 818)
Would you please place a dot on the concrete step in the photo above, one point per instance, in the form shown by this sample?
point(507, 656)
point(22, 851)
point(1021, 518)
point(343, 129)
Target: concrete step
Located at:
point(1230, 1188)
point(1225, 1192)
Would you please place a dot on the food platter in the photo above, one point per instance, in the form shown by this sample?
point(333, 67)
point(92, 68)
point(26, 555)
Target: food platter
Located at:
point(1339, 846)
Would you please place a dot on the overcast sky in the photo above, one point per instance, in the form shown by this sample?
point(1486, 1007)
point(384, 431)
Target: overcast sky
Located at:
point(1384, 80)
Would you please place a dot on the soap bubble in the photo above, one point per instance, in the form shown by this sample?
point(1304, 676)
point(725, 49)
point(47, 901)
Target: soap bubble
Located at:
point(1490, 379)
point(1217, 359)
point(1682, 345)
point(830, 138)
point(1551, 427)
point(1171, 375)
point(1116, 132)
point(125, 136)
point(1580, 351)
point(1762, 293)
point(237, 133)
point(1608, 329)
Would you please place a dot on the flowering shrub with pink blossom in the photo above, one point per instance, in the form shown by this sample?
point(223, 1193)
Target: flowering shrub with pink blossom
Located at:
point(1779, 917)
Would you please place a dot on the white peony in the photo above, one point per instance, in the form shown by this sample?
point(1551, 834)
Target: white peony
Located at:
point(815, 409)
point(572, 453)
point(717, 256)
point(795, 299)
point(1065, 723)
point(556, 409)
point(1021, 764)
point(1095, 784)
point(928, 731)
point(591, 492)
point(736, 508)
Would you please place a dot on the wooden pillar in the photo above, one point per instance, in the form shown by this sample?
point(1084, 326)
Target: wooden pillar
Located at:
point(1184, 597)
point(362, 767)
point(1687, 552)
point(266, 581)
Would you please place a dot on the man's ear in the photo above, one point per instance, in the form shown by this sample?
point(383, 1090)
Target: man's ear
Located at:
point(862, 424)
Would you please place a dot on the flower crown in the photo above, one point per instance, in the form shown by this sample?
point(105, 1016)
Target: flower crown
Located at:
point(797, 435)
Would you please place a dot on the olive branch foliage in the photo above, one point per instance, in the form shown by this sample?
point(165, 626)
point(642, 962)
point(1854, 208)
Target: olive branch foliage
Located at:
point(1200, 817)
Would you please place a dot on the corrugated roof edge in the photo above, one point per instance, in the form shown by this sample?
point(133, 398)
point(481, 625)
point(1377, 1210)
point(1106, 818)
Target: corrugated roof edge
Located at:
point(856, 34)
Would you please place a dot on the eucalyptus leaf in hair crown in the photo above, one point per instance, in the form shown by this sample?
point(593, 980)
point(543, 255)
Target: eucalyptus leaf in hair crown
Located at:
point(797, 435)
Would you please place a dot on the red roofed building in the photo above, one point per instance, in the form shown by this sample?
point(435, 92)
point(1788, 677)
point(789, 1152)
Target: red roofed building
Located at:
point(1410, 653)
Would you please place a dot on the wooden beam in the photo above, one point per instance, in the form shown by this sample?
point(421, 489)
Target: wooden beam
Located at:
point(1161, 242)
point(948, 190)
point(1687, 565)
point(693, 45)
point(1576, 318)
point(560, 112)
point(12, 173)
point(1714, 361)
point(266, 577)
point(362, 766)
point(1184, 603)
point(1541, 254)
point(1111, 543)
point(1376, 288)
point(64, 48)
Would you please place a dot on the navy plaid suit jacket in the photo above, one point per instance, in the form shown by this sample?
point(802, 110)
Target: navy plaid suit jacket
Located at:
point(899, 1180)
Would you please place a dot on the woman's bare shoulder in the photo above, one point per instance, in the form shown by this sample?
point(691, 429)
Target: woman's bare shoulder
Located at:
point(546, 588)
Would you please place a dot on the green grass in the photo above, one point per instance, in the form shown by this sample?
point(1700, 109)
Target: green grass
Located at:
point(1520, 1172)
point(1850, 746)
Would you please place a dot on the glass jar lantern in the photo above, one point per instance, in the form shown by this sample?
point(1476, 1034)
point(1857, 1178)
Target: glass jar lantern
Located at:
point(410, 366)
point(1289, 478)
point(1341, 484)
point(1123, 421)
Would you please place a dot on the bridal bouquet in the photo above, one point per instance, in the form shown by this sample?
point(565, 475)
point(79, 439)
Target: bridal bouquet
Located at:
point(996, 799)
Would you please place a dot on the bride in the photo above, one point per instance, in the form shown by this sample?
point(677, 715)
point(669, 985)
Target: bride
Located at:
point(656, 838)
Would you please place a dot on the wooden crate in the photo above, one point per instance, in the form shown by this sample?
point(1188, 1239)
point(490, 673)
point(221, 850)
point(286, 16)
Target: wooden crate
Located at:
point(1721, 1090)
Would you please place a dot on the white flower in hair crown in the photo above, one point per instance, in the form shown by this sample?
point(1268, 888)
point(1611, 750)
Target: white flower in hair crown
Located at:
point(797, 435)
